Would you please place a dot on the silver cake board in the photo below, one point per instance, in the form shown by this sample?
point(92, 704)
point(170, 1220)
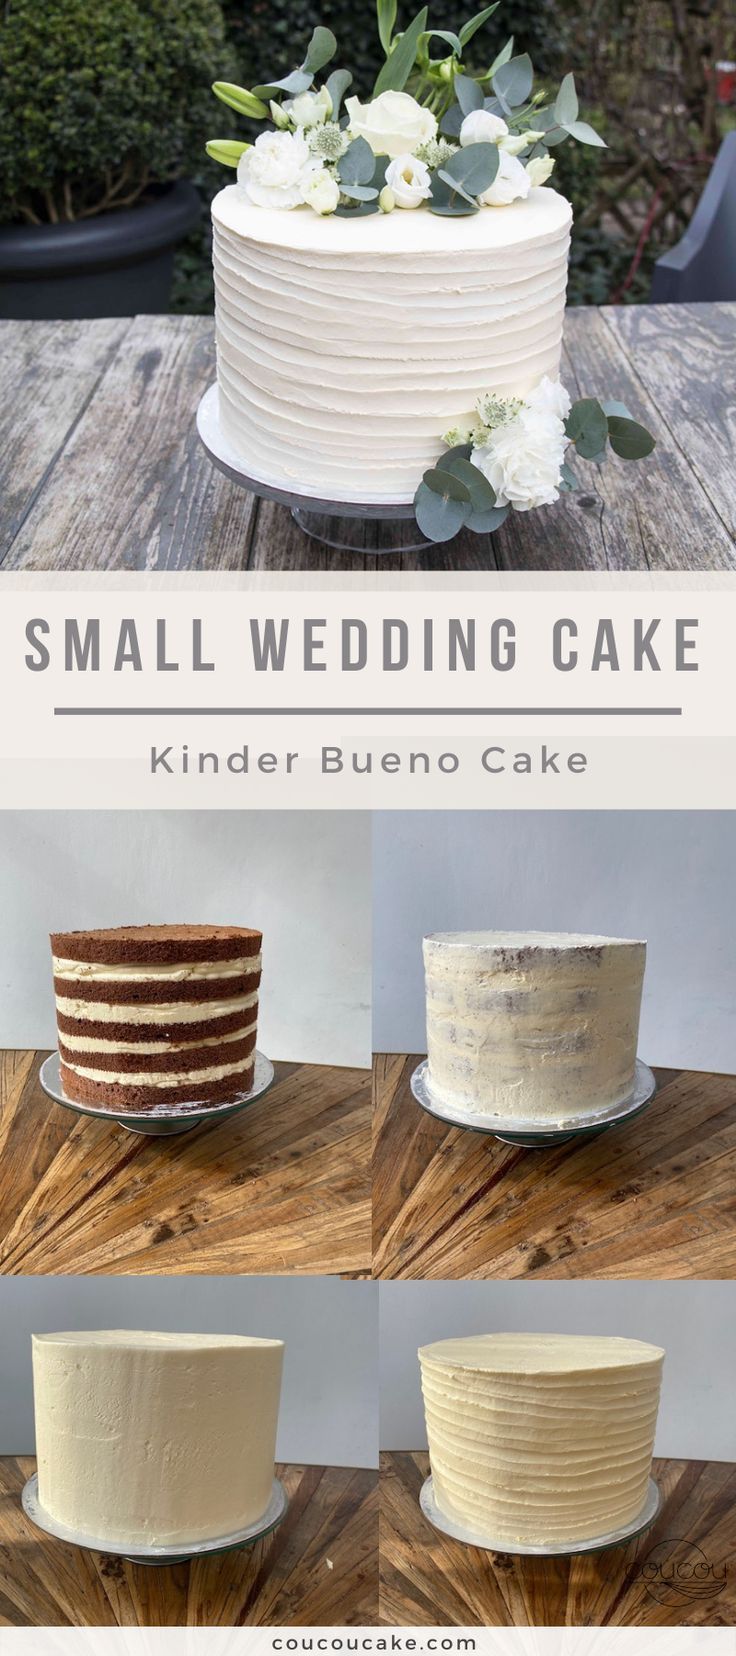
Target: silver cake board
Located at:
point(536, 1135)
point(163, 1120)
point(318, 518)
point(180, 1553)
point(525, 1549)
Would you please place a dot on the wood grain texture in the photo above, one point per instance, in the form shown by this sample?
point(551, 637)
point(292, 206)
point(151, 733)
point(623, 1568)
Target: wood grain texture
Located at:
point(429, 1580)
point(319, 1568)
point(281, 1188)
point(653, 1197)
point(103, 468)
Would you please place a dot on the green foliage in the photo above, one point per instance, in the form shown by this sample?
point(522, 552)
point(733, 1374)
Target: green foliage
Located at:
point(100, 97)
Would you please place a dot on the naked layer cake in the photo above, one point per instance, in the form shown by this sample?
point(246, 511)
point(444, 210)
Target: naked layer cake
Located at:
point(154, 1014)
point(541, 1438)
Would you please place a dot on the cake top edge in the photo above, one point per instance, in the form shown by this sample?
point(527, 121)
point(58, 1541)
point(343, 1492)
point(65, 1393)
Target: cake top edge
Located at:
point(540, 1353)
point(148, 1340)
point(113, 945)
point(503, 940)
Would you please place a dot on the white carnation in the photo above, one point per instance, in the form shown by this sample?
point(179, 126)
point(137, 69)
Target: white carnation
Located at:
point(309, 109)
point(550, 397)
point(409, 181)
point(275, 172)
point(538, 169)
point(511, 183)
point(321, 191)
point(393, 124)
point(481, 127)
point(522, 458)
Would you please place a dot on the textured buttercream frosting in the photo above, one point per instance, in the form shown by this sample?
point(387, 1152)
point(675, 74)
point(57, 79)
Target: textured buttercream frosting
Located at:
point(346, 347)
point(535, 1026)
point(154, 1439)
point(541, 1438)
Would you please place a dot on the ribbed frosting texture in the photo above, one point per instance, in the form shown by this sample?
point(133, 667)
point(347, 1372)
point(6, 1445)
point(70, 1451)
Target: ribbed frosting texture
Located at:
point(150, 1015)
point(346, 348)
point(532, 1026)
point(541, 1438)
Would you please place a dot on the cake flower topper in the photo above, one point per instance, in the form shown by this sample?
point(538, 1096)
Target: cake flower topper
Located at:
point(433, 134)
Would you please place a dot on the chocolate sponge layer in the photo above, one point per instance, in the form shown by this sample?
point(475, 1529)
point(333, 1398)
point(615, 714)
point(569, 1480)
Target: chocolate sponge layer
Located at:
point(156, 945)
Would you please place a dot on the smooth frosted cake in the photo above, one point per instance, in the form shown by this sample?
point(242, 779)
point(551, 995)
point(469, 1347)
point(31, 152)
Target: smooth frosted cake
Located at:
point(154, 1014)
point(534, 1026)
point(346, 347)
point(541, 1438)
point(154, 1439)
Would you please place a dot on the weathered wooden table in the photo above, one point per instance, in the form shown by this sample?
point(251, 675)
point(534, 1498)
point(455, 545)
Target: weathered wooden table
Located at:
point(320, 1567)
point(282, 1187)
point(428, 1580)
point(652, 1197)
point(101, 467)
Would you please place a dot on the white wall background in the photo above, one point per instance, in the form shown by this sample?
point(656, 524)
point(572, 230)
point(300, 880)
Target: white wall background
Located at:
point(666, 876)
point(329, 1399)
point(695, 1322)
point(303, 878)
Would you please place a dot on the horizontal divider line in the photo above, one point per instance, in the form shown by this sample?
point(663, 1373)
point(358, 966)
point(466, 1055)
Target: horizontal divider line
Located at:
point(361, 712)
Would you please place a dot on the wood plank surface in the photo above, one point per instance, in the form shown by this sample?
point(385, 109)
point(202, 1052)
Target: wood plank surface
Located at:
point(652, 1197)
point(429, 1580)
point(283, 1187)
point(103, 468)
point(320, 1567)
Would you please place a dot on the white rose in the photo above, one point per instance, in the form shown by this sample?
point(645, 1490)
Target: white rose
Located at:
point(409, 181)
point(539, 169)
point(321, 191)
point(393, 124)
point(510, 183)
point(522, 459)
point(550, 397)
point(274, 173)
point(481, 127)
point(310, 109)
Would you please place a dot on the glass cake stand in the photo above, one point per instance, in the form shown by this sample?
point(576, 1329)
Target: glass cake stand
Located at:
point(181, 1553)
point(341, 525)
point(557, 1549)
point(164, 1119)
point(536, 1135)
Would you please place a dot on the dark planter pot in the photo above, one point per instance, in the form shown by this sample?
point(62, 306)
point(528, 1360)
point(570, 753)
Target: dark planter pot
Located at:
point(114, 265)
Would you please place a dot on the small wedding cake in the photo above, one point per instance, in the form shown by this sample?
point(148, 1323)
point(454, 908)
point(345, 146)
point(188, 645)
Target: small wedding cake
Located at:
point(532, 1026)
point(541, 1439)
point(154, 1439)
point(149, 1015)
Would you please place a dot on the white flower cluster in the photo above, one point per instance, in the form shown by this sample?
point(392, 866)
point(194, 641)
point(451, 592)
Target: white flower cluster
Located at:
point(514, 180)
point(520, 445)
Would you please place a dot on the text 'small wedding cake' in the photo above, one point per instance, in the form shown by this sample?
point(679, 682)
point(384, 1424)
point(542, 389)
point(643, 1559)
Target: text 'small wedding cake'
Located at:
point(390, 276)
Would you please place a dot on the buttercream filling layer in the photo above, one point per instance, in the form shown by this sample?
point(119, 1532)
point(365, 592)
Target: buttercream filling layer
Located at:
point(162, 1012)
point(161, 1078)
point(186, 971)
point(88, 1043)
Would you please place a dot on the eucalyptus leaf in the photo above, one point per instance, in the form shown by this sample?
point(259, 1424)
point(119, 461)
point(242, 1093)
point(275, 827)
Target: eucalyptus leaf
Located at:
point(398, 67)
point(473, 168)
point(503, 57)
point(468, 93)
point(237, 97)
point(298, 81)
point(379, 171)
point(566, 102)
point(322, 47)
point(358, 164)
point(447, 200)
point(439, 516)
point(455, 187)
point(451, 122)
point(587, 427)
point(359, 192)
point(360, 210)
point(616, 408)
point(568, 480)
point(475, 23)
point(461, 451)
point(514, 80)
point(585, 134)
point(387, 10)
point(481, 492)
point(484, 523)
point(226, 150)
point(446, 483)
point(628, 439)
point(337, 85)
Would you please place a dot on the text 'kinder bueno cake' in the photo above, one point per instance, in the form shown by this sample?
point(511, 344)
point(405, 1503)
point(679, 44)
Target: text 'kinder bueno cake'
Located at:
point(532, 1025)
point(541, 1439)
point(154, 1014)
point(152, 1439)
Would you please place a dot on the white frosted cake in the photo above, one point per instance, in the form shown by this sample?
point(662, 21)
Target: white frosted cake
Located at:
point(346, 347)
point(541, 1438)
point(532, 1026)
point(153, 1439)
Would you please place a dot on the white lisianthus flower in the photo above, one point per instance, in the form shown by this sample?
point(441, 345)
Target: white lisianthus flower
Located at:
point(386, 200)
point(515, 142)
point(279, 118)
point(321, 191)
point(409, 181)
point(310, 109)
point(274, 173)
point(511, 183)
point(393, 124)
point(481, 127)
point(522, 458)
point(538, 169)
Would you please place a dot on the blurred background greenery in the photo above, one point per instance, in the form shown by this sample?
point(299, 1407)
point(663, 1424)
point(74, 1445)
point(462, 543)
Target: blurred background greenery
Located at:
point(99, 97)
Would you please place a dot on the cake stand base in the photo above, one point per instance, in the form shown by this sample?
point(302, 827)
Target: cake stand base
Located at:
point(181, 1553)
point(525, 1549)
point(537, 1135)
point(341, 525)
point(164, 1120)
